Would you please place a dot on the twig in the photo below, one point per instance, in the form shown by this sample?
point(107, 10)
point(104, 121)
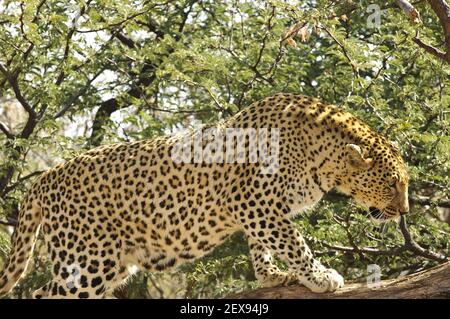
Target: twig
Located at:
point(429, 202)
point(425, 201)
point(120, 23)
point(21, 180)
point(347, 56)
point(69, 36)
point(366, 250)
point(22, 30)
point(345, 224)
point(429, 48)
point(411, 245)
point(254, 67)
point(219, 106)
point(71, 100)
point(445, 188)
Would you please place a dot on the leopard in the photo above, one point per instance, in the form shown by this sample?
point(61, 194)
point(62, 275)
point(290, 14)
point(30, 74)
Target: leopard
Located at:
point(146, 205)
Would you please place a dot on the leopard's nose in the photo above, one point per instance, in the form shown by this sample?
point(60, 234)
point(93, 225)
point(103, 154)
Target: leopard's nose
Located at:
point(404, 208)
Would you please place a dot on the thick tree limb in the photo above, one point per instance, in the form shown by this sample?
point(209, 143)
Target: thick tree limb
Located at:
point(430, 283)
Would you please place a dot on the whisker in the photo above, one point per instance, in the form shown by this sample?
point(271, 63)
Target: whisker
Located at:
point(379, 215)
point(383, 231)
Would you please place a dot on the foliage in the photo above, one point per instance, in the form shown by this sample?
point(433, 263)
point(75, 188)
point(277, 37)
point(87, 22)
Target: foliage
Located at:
point(79, 73)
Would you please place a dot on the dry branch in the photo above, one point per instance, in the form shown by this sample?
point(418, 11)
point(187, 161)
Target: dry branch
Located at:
point(409, 10)
point(430, 283)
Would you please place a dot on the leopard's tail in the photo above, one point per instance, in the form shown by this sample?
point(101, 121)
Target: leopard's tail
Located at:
point(23, 241)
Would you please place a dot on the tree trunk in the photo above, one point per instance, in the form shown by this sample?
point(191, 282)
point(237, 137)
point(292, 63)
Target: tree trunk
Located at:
point(430, 283)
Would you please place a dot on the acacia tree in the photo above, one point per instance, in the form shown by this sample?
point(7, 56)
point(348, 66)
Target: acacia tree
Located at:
point(75, 74)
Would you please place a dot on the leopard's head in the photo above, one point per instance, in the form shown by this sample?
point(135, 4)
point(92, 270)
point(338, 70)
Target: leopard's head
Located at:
point(376, 177)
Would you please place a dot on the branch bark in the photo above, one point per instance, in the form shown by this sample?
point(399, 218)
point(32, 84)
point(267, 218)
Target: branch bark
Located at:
point(430, 283)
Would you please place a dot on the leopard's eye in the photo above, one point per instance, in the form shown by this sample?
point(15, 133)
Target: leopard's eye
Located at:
point(392, 183)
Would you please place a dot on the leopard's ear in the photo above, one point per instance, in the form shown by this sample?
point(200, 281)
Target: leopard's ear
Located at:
point(356, 159)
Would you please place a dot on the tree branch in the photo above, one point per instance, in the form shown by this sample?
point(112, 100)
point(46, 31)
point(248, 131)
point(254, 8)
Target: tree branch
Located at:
point(84, 8)
point(12, 80)
point(412, 246)
point(73, 98)
point(32, 116)
point(111, 105)
point(429, 202)
point(7, 172)
point(442, 10)
point(353, 65)
point(334, 196)
point(409, 10)
point(430, 283)
point(409, 245)
point(21, 180)
point(147, 77)
point(9, 222)
point(429, 48)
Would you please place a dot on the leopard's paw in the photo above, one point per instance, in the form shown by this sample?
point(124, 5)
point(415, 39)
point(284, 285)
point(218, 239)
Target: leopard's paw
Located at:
point(325, 280)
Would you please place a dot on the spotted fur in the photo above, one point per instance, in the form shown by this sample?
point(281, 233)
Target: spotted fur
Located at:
point(132, 204)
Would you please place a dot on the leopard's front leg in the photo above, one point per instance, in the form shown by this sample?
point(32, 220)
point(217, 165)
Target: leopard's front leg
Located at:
point(276, 233)
point(267, 273)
